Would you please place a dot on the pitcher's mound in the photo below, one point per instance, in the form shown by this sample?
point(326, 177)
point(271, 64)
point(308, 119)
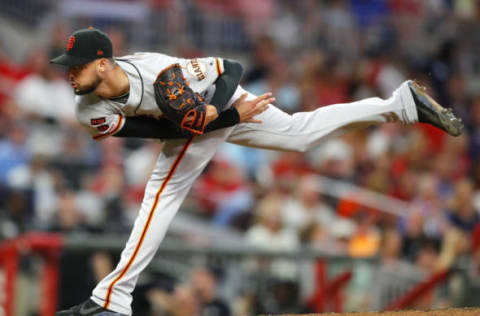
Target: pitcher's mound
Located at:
point(438, 312)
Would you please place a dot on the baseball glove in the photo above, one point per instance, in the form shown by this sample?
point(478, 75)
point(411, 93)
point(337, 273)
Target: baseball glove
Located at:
point(178, 101)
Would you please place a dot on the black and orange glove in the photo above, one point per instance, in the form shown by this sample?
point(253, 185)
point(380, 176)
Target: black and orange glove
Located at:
point(178, 102)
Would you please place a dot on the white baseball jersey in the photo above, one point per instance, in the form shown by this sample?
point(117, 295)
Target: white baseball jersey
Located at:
point(182, 160)
point(103, 117)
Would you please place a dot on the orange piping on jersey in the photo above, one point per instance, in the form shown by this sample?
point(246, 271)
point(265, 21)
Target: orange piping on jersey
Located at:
point(219, 72)
point(167, 68)
point(149, 219)
point(117, 127)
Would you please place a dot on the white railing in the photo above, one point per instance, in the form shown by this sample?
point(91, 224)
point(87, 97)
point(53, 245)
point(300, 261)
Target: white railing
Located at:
point(341, 189)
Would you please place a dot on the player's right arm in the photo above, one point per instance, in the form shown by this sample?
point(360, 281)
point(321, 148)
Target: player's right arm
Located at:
point(163, 128)
point(99, 118)
point(102, 119)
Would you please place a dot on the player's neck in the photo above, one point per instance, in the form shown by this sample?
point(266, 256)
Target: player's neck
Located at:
point(114, 84)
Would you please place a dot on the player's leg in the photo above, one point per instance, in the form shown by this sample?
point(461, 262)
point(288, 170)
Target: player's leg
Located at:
point(176, 170)
point(179, 164)
point(304, 130)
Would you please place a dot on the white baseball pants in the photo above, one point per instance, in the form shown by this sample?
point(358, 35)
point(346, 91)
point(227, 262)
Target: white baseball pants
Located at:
point(182, 161)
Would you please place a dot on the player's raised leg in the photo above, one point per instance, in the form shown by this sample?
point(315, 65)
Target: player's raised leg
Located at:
point(303, 130)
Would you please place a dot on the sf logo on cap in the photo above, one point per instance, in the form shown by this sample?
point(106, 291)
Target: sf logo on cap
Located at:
point(71, 41)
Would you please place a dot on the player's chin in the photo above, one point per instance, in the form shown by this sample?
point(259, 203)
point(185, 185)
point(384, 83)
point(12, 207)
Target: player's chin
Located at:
point(85, 90)
point(79, 91)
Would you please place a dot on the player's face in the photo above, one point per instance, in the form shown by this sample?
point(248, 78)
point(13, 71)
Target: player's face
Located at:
point(84, 79)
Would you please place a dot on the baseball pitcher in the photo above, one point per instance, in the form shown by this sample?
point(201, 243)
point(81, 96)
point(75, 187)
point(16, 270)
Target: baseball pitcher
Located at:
point(194, 105)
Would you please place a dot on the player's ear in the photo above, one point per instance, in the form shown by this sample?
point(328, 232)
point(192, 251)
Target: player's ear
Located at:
point(102, 65)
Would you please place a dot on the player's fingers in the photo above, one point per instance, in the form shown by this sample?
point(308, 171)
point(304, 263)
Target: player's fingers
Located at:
point(267, 101)
point(259, 110)
point(263, 105)
point(253, 121)
point(262, 97)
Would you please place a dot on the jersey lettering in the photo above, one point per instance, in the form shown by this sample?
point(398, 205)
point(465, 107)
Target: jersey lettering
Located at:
point(102, 128)
point(98, 121)
point(197, 69)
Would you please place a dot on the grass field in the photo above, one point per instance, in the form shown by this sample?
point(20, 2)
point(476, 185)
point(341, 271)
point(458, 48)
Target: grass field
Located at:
point(439, 312)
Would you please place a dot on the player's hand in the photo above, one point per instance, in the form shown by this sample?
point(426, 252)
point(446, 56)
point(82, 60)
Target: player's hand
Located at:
point(247, 110)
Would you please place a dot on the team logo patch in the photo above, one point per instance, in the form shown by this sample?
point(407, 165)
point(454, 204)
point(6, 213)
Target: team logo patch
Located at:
point(70, 43)
point(98, 121)
point(102, 128)
point(197, 69)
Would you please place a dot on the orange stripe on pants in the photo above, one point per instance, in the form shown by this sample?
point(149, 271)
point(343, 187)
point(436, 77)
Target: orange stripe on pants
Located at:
point(147, 224)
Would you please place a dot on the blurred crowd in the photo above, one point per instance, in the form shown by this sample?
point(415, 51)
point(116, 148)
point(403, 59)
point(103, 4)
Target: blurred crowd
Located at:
point(309, 53)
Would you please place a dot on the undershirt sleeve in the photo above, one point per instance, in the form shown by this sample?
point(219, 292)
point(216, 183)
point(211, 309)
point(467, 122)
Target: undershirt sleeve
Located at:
point(148, 127)
point(226, 84)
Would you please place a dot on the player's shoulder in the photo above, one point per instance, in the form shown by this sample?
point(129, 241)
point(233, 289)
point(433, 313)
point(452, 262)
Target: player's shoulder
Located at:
point(147, 57)
point(154, 58)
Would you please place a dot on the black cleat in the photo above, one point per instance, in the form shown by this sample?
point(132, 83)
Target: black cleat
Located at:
point(429, 111)
point(87, 308)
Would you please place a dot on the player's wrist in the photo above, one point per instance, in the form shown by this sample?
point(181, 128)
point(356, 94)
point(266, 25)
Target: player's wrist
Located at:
point(212, 113)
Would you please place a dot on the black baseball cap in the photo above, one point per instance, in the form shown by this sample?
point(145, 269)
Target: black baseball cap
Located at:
point(84, 46)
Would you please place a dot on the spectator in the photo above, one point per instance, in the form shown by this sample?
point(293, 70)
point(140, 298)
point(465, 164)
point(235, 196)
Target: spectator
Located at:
point(462, 213)
point(204, 285)
point(181, 302)
point(279, 81)
point(430, 205)
point(365, 241)
point(223, 193)
point(263, 59)
point(307, 207)
point(391, 248)
point(40, 179)
point(10, 74)
point(13, 152)
point(269, 233)
point(44, 93)
point(15, 215)
point(413, 235)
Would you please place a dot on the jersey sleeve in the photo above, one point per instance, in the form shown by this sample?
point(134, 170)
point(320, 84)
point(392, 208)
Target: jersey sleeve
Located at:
point(201, 73)
point(100, 122)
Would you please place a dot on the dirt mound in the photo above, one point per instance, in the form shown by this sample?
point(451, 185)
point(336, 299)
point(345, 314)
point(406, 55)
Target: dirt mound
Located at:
point(438, 312)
